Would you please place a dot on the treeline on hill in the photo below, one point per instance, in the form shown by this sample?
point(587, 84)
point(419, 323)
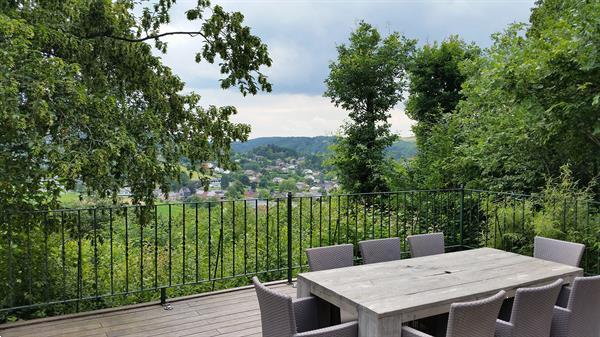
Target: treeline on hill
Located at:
point(402, 148)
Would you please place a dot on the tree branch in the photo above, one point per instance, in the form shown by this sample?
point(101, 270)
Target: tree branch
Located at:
point(149, 37)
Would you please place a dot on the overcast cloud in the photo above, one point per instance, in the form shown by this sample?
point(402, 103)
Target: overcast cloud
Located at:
point(302, 36)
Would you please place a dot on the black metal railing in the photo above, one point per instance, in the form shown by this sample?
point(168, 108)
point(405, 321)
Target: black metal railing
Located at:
point(69, 260)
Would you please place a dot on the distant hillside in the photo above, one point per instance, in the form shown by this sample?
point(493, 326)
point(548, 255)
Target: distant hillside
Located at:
point(403, 148)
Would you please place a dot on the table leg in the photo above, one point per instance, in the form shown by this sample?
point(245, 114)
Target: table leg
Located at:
point(328, 314)
point(302, 288)
point(369, 325)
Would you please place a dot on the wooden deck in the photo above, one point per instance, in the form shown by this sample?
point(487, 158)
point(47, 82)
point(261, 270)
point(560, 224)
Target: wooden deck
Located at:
point(232, 313)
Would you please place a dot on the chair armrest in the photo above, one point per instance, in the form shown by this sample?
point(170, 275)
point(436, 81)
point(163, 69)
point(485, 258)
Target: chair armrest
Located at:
point(349, 329)
point(410, 332)
point(306, 313)
point(503, 328)
point(563, 296)
point(560, 322)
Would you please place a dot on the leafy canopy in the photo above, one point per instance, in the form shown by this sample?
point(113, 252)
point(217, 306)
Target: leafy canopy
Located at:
point(530, 105)
point(367, 80)
point(82, 98)
point(434, 91)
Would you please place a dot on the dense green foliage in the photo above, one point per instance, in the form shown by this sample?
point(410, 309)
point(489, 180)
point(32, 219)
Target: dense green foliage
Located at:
point(529, 106)
point(82, 98)
point(434, 91)
point(367, 80)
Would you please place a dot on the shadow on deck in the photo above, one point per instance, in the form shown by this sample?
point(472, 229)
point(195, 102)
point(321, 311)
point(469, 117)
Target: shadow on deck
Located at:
point(227, 313)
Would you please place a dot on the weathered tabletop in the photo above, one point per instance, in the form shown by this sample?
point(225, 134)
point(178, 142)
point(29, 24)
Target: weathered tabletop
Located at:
point(383, 295)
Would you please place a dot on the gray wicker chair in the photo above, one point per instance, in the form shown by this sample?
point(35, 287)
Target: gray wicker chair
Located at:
point(531, 313)
point(580, 318)
point(330, 257)
point(380, 250)
point(468, 319)
point(426, 244)
point(282, 316)
point(558, 251)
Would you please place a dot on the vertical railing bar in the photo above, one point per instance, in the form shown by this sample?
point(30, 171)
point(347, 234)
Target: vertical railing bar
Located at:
point(514, 212)
point(381, 211)
point(300, 233)
point(523, 215)
point(222, 238)
point(110, 228)
point(338, 221)
point(436, 210)
point(347, 218)
point(355, 221)
point(426, 213)
point(256, 235)
point(365, 233)
point(95, 241)
point(587, 232)
point(183, 260)
point(63, 253)
point(487, 220)
point(397, 215)
point(197, 243)
point(565, 215)
point(504, 218)
point(373, 222)
point(278, 239)
point(29, 259)
point(155, 247)
point(310, 233)
point(320, 221)
point(329, 212)
point(79, 263)
point(389, 211)
point(170, 229)
point(267, 234)
point(126, 251)
point(479, 210)
point(233, 237)
point(11, 278)
point(45, 231)
point(575, 216)
point(289, 237)
point(142, 223)
point(405, 213)
point(418, 210)
point(245, 237)
point(210, 276)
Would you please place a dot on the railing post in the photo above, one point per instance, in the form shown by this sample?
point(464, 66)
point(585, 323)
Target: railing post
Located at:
point(289, 237)
point(462, 210)
point(163, 296)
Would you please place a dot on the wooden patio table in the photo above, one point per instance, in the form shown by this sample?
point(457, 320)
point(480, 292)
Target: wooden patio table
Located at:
point(384, 295)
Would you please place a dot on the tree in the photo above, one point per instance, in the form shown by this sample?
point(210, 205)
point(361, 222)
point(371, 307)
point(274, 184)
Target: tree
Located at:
point(288, 185)
point(235, 191)
point(529, 106)
point(82, 98)
point(434, 91)
point(367, 80)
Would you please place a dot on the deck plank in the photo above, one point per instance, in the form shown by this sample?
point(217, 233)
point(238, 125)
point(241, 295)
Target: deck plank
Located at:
point(229, 314)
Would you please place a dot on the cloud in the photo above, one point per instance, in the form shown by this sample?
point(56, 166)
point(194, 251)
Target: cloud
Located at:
point(291, 114)
point(302, 36)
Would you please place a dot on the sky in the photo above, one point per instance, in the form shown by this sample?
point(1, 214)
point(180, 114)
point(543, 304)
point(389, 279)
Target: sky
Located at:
point(302, 37)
